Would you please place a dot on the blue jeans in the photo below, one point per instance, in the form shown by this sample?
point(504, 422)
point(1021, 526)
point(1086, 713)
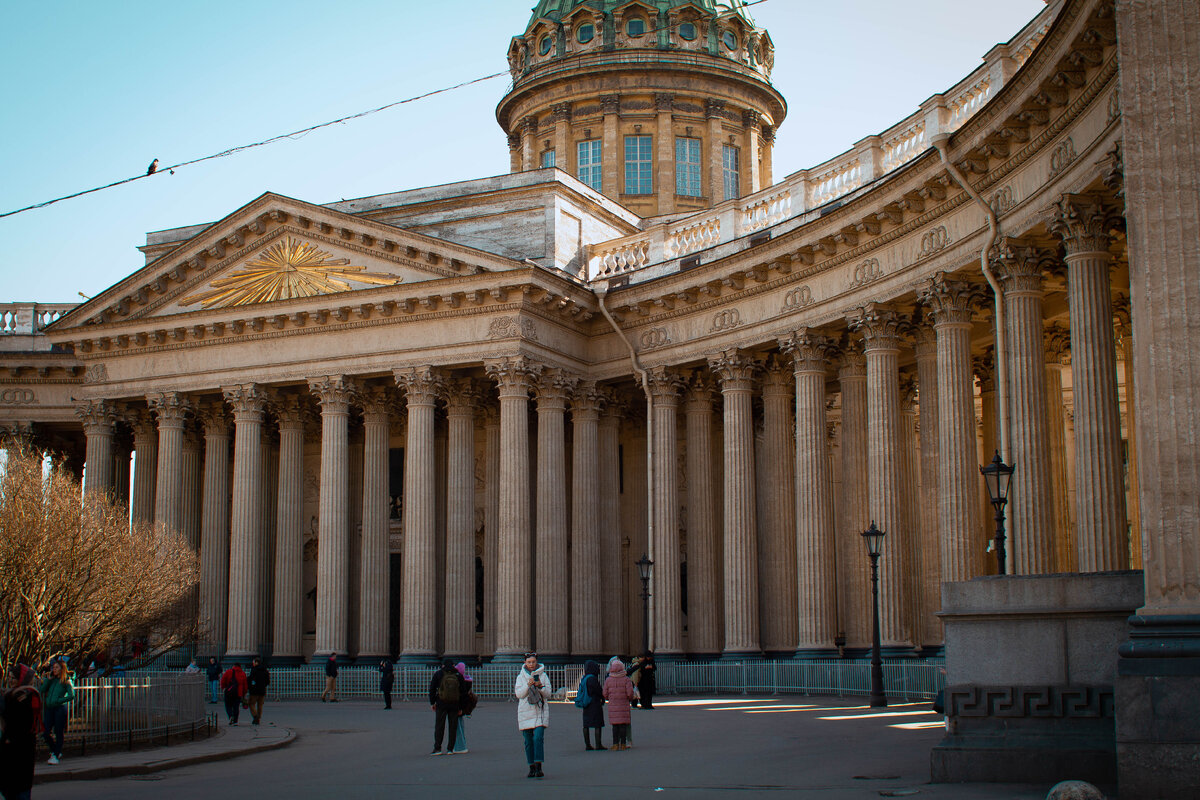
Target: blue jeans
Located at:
point(534, 740)
point(55, 722)
point(215, 688)
point(460, 743)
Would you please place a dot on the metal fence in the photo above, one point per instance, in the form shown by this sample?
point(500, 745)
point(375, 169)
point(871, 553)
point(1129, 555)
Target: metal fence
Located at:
point(913, 679)
point(136, 708)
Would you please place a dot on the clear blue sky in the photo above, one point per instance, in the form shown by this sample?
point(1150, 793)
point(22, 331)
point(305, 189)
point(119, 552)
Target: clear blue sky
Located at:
point(94, 91)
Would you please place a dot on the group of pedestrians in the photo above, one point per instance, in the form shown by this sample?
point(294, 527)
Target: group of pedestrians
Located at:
point(452, 699)
point(240, 690)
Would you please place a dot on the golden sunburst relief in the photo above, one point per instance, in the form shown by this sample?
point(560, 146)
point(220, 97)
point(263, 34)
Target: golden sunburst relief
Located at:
point(287, 269)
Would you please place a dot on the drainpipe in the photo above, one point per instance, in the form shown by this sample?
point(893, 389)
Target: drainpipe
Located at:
point(939, 141)
point(601, 290)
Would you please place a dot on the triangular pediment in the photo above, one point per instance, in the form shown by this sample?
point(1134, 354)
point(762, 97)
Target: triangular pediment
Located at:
point(280, 250)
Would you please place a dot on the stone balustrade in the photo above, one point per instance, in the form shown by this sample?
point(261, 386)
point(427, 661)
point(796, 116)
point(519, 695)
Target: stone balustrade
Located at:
point(29, 318)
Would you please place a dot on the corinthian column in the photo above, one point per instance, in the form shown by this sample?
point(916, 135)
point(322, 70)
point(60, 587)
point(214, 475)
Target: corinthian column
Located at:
point(514, 572)
point(665, 591)
point(145, 444)
point(612, 611)
point(289, 533)
point(214, 529)
point(98, 417)
point(190, 503)
point(1083, 223)
point(910, 488)
point(375, 554)
point(704, 594)
point(853, 568)
point(949, 303)
point(553, 595)
point(172, 409)
point(462, 398)
point(777, 597)
point(334, 393)
point(815, 540)
point(1058, 354)
point(1030, 507)
point(880, 329)
point(1125, 342)
point(736, 373)
point(586, 589)
point(987, 442)
point(421, 387)
point(930, 517)
point(245, 542)
point(491, 524)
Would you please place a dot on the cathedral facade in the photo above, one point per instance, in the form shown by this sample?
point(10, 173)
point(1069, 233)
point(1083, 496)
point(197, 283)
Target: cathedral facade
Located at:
point(448, 421)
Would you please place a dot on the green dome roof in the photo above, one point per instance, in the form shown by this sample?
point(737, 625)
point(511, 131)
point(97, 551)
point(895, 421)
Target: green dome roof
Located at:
point(557, 9)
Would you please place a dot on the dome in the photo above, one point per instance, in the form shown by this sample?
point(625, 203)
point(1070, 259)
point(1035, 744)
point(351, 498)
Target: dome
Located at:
point(557, 10)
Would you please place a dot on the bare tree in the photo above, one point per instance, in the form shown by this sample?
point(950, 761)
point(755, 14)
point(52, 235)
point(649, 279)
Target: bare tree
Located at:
point(76, 577)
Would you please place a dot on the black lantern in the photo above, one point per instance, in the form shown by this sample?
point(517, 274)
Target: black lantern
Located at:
point(644, 564)
point(998, 477)
point(874, 540)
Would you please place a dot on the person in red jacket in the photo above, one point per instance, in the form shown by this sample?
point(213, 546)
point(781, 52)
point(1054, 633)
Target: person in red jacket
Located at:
point(233, 684)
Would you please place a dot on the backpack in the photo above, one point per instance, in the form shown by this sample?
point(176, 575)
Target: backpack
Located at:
point(448, 688)
point(582, 698)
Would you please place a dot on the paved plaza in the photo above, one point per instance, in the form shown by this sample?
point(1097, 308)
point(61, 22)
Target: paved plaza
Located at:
point(686, 747)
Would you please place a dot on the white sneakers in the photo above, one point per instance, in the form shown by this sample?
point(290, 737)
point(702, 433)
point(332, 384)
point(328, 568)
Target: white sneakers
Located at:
point(53, 759)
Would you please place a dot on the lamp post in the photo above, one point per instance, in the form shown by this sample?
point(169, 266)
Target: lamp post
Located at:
point(998, 477)
point(874, 539)
point(644, 564)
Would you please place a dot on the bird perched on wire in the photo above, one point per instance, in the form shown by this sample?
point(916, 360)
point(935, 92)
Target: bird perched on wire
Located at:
point(153, 168)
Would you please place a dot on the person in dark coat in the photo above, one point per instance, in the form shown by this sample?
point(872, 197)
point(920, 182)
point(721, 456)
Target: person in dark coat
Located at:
point(259, 680)
point(331, 671)
point(20, 710)
point(387, 678)
point(645, 681)
point(213, 674)
point(445, 697)
point(593, 712)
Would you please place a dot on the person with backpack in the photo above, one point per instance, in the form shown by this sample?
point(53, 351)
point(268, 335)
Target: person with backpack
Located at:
point(590, 698)
point(233, 685)
point(445, 698)
point(466, 706)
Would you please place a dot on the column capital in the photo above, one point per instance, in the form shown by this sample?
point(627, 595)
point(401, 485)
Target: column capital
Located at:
point(586, 401)
point(664, 102)
point(950, 302)
point(1083, 221)
point(1058, 344)
point(810, 351)
point(552, 388)
point(1019, 265)
point(751, 118)
point(700, 389)
point(333, 392)
point(879, 325)
point(142, 422)
point(852, 363)
point(925, 341)
point(908, 392)
point(560, 112)
point(462, 396)
point(984, 366)
point(665, 385)
point(247, 399)
point(172, 408)
point(97, 416)
point(778, 377)
point(616, 405)
point(513, 376)
point(610, 103)
point(714, 109)
point(290, 409)
point(421, 385)
point(1122, 314)
point(215, 418)
point(377, 402)
point(734, 369)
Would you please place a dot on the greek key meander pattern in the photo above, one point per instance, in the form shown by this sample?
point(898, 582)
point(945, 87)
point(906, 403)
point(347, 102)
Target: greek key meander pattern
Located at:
point(1041, 702)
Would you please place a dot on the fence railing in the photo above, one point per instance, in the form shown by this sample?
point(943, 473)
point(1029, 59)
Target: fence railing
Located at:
point(908, 678)
point(136, 708)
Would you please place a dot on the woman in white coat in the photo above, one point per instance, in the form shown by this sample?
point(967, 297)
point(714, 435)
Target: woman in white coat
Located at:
point(533, 711)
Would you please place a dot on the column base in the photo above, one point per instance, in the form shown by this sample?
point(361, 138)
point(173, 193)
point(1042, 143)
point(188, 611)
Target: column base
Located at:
point(856, 652)
point(554, 659)
point(709, 656)
point(285, 661)
point(371, 659)
point(813, 652)
point(897, 651)
point(508, 658)
point(932, 651)
point(419, 659)
point(322, 657)
point(741, 655)
point(232, 657)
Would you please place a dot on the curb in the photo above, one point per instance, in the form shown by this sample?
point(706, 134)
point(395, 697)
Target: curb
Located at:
point(101, 772)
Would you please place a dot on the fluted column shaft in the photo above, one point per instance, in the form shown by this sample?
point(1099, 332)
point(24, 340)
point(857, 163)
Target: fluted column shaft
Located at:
point(1030, 546)
point(145, 444)
point(514, 606)
point(99, 418)
point(333, 529)
point(552, 591)
point(171, 408)
point(910, 491)
point(214, 530)
point(611, 610)
point(815, 566)
point(1083, 223)
point(777, 603)
point(1057, 356)
point(461, 399)
point(736, 373)
point(665, 591)
point(289, 533)
point(881, 345)
point(245, 543)
point(928, 404)
point(853, 572)
point(491, 523)
point(191, 501)
point(421, 386)
point(704, 595)
point(586, 589)
point(375, 554)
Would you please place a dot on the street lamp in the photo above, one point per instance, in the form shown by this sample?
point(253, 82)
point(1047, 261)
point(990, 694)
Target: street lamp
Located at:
point(874, 539)
point(644, 564)
point(998, 477)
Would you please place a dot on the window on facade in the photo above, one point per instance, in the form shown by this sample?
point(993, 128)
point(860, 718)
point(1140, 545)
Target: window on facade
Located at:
point(635, 27)
point(590, 171)
point(545, 45)
point(730, 40)
point(639, 165)
point(687, 167)
point(687, 31)
point(731, 162)
point(585, 33)
point(548, 159)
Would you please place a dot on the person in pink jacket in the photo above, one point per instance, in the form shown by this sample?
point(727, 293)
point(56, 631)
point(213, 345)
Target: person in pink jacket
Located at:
point(619, 692)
